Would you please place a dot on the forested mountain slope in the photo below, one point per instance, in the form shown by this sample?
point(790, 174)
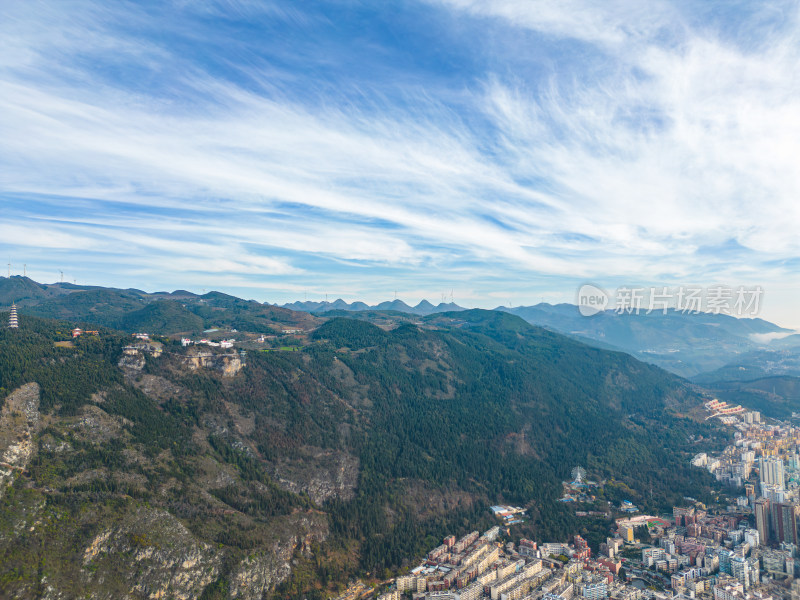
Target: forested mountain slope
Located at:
point(346, 456)
point(134, 310)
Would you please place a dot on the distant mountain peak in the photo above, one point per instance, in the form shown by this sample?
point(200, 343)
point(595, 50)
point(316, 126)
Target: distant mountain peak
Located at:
point(423, 308)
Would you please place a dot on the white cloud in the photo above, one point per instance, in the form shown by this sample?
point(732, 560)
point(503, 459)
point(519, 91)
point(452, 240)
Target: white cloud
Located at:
point(684, 140)
point(766, 338)
point(610, 23)
point(44, 236)
point(688, 145)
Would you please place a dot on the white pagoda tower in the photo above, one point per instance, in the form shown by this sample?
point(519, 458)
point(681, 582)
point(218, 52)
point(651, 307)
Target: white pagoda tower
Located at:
point(13, 322)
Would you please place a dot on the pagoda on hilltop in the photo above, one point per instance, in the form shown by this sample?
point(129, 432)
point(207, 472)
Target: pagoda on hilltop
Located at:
point(13, 321)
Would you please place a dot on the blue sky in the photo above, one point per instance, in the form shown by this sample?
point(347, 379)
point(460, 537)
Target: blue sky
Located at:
point(507, 150)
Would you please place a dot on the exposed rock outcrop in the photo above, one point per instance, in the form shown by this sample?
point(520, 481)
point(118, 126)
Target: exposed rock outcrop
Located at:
point(322, 474)
point(228, 364)
point(19, 421)
point(261, 572)
point(159, 388)
point(154, 551)
point(131, 361)
point(133, 356)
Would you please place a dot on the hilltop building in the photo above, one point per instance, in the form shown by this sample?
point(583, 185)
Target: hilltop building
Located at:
point(78, 332)
point(13, 321)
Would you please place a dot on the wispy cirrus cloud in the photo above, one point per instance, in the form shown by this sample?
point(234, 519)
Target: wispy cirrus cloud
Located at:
point(479, 145)
point(688, 141)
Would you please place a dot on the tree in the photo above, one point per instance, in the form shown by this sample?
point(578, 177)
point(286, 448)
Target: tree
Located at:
point(642, 533)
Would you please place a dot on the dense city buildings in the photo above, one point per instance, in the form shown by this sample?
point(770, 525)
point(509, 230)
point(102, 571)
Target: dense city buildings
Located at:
point(764, 461)
point(746, 551)
point(696, 556)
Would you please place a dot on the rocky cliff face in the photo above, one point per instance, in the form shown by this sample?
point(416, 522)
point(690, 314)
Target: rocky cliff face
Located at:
point(133, 551)
point(133, 359)
point(153, 554)
point(19, 422)
point(260, 572)
point(156, 544)
point(322, 474)
point(228, 364)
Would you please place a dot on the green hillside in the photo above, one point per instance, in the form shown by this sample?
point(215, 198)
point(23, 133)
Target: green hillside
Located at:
point(134, 310)
point(103, 306)
point(161, 317)
point(356, 450)
point(24, 290)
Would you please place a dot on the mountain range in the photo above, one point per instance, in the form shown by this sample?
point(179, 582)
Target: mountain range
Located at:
point(423, 308)
point(145, 467)
point(133, 310)
point(688, 344)
point(742, 360)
